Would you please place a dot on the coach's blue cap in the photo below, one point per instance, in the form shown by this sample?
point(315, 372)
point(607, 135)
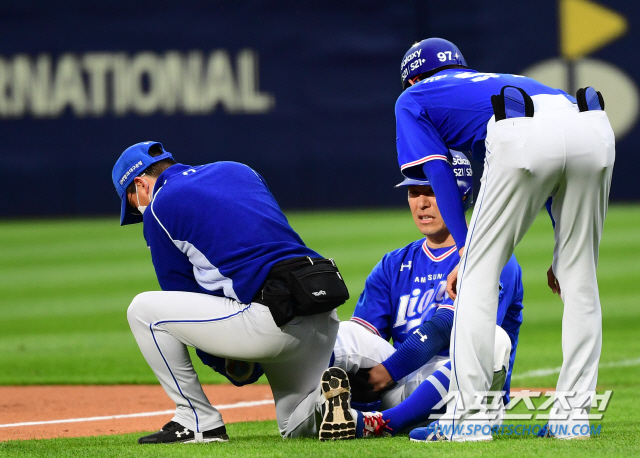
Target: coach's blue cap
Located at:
point(132, 162)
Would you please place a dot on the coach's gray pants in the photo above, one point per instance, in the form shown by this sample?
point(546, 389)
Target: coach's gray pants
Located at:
point(566, 154)
point(293, 357)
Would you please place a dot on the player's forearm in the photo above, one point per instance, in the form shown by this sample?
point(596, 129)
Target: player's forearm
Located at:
point(445, 187)
point(425, 342)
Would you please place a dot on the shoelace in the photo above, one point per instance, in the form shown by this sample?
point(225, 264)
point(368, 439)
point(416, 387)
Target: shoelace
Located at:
point(382, 427)
point(375, 426)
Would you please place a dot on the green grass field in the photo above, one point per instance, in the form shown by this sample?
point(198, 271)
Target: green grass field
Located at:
point(65, 286)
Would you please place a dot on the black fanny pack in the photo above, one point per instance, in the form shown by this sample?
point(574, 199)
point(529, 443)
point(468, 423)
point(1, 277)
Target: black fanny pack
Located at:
point(302, 286)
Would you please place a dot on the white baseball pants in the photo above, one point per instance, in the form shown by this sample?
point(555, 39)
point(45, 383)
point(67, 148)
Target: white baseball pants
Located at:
point(293, 357)
point(559, 152)
point(356, 348)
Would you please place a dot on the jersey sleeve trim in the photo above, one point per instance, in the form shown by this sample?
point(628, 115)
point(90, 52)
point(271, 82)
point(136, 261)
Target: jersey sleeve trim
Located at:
point(366, 324)
point(431, 157)
point(447, 306)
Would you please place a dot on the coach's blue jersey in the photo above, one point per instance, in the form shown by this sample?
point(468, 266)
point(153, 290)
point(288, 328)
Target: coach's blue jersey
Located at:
point(451, 110)
point(409, 284)
point(217, 229)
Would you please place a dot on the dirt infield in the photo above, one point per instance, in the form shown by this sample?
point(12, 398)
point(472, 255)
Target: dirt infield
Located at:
point(45, 412)
point(82, 404)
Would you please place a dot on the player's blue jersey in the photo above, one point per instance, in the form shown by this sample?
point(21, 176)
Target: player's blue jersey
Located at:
point(409, 284)
point(450, 110)
point(217, 229)
point(404, 289)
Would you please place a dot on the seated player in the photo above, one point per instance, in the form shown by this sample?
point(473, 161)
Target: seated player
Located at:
point(405, 299)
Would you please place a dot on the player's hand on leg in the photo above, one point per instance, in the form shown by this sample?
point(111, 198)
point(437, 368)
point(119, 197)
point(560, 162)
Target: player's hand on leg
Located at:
point(452, 283)
point(379, 377)
point(552, 281)
point(363, 396)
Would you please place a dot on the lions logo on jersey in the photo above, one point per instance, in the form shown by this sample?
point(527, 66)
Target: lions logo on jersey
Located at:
point(415, 308)
point(405, 289)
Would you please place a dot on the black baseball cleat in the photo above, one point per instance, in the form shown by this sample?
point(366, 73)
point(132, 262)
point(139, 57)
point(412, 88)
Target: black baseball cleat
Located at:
point(175, 432)
point(337, 421)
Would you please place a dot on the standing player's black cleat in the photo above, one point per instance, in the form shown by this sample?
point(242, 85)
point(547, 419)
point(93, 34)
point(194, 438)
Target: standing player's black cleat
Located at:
point(175, 432)
point(337, 421)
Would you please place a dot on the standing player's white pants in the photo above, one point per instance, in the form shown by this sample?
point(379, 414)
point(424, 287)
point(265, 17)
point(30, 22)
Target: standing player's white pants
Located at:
point(559, 152)
point(293, 357)
point(356, 348)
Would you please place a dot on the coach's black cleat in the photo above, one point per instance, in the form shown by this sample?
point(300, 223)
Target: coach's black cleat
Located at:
point(337, 420)
point(175, 432)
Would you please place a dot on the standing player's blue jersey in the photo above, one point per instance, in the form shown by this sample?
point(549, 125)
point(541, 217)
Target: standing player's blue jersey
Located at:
point(450, 110)
point(205, 239)
point(409, 285)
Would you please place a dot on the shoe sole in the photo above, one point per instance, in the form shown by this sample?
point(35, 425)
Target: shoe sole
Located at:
point(429, 440)
point(487, 439)
point(337, 421)
point(207, 439)
point(192, 440)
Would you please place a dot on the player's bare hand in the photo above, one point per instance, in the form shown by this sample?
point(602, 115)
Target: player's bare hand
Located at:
point(379, 377)
point(552, 281)
point(452, 283)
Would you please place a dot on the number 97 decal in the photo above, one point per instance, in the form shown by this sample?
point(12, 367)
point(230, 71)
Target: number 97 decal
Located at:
point(444, 56)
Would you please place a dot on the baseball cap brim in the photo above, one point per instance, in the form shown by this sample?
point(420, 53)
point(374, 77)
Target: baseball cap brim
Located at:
point(412, 182)
point(133, 161)
point(126, 215)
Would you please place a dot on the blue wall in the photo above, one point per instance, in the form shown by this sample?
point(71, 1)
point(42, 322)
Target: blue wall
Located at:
point(301, 91)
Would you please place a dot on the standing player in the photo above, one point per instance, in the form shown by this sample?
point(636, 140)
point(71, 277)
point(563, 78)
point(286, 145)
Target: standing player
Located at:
point(536, 142)
point(236, 283)
point(405, 299)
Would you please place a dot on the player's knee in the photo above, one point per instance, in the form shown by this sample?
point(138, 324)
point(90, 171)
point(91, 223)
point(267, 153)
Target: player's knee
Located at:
point(502, 350)
point(350, 336)
point(357, 347)
point(355, 332)
point(139, 308)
